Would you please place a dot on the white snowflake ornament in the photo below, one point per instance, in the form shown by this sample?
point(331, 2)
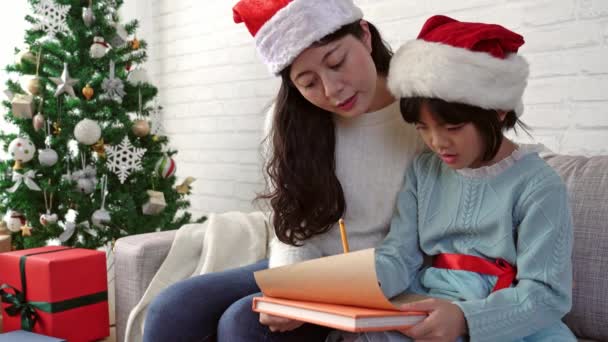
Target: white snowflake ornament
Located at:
point(51, 17)
point(124, 158)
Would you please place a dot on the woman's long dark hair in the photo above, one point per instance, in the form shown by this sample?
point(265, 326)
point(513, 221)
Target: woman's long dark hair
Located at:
point(303, 190)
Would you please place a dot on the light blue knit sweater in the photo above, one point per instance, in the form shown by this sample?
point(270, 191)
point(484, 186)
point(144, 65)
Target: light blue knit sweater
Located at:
point(516, 210)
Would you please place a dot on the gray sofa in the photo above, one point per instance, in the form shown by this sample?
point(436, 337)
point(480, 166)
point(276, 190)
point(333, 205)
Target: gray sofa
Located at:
point(138, 257)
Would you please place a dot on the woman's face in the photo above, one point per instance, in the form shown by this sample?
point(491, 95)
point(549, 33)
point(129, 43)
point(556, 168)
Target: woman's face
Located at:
point(340, 76)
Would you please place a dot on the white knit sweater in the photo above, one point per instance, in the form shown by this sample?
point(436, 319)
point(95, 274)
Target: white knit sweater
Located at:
point(372, 153)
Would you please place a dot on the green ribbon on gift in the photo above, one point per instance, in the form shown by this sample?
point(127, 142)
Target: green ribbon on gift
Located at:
point(19, 305)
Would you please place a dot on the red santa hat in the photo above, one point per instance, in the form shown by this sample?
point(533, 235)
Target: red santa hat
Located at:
point(284, 28)
point(470, 63)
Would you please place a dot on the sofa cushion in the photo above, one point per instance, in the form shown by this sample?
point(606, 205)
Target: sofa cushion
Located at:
point(587, 182)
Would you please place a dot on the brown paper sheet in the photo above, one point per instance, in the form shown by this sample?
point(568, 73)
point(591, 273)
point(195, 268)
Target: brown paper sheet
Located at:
point(347, 279)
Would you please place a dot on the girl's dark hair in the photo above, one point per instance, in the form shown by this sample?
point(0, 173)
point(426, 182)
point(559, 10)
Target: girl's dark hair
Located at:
point(486, 121)
point(303, 190)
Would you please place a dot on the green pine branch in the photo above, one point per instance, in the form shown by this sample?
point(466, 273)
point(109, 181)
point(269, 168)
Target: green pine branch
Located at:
point(124, 201)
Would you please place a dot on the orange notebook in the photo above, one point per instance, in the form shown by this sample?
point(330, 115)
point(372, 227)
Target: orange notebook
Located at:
point(339, 291)
point(341, 317)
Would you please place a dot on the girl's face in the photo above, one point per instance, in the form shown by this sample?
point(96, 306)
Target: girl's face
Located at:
point(458, 145)
point(340, 76)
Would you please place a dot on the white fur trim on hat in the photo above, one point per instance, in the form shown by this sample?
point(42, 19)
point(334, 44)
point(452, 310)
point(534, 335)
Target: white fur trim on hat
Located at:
point(298, 25)
point(435, 70)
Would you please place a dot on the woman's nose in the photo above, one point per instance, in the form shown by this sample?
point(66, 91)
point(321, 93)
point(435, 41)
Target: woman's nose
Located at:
point(333, 87)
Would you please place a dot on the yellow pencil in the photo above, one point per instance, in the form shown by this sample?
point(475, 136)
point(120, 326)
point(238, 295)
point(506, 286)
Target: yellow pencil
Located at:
point(343, 234)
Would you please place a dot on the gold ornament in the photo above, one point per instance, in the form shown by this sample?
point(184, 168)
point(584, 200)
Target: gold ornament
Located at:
point(135, 44)
point(100, 148)
point(56, 128)
point(185, 187)
point(26, 230)
point(33, 85)
point(18, 165)
point(88, 92)
point(141, 128)
point(25, 55)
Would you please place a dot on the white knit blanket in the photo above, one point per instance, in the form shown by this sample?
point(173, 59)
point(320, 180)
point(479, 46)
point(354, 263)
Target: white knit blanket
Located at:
point(204, 248)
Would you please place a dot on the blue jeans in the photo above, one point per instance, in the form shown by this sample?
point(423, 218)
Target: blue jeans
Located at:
point(216, 306)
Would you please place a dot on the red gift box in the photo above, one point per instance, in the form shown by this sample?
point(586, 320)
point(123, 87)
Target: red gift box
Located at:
point(65, 292)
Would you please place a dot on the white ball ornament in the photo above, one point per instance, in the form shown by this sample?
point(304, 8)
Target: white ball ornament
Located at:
point(99, 48)
point(48, 218)
point(85, 185)
point(165, 167)
point(47, 157)
point(14, 220)
point(21, 149)
point(76, 175)
point(101, 218)
point(87, 132)
point(89, 172)
point(141, 128)
point(138, 76)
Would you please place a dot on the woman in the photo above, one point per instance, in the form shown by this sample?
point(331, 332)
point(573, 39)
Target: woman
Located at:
point(337, 148)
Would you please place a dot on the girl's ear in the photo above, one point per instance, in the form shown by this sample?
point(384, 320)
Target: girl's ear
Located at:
point(367, 36)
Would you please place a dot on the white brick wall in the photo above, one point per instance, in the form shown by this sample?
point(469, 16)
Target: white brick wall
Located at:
point(214, 90)
point(12, 22)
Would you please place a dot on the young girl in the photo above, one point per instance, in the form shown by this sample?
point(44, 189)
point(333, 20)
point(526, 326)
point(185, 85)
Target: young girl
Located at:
point(493, 215)
point(338, 148)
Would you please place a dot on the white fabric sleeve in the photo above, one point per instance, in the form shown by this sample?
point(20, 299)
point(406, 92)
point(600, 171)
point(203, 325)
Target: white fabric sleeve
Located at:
point(283, 254)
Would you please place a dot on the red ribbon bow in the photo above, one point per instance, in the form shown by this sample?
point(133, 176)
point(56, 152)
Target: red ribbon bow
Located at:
point(500, 268)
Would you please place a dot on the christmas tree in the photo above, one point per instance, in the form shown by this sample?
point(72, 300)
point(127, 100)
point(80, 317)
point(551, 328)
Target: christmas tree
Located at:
point(89, 164)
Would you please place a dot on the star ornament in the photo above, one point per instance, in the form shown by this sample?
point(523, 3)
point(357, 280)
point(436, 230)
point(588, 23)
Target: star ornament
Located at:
point(26, 230)
point(65, 84)
point(185, 187)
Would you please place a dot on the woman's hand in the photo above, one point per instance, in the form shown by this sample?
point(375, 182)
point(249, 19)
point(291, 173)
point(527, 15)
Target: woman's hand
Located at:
point(279, 324)
point(445, 322)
